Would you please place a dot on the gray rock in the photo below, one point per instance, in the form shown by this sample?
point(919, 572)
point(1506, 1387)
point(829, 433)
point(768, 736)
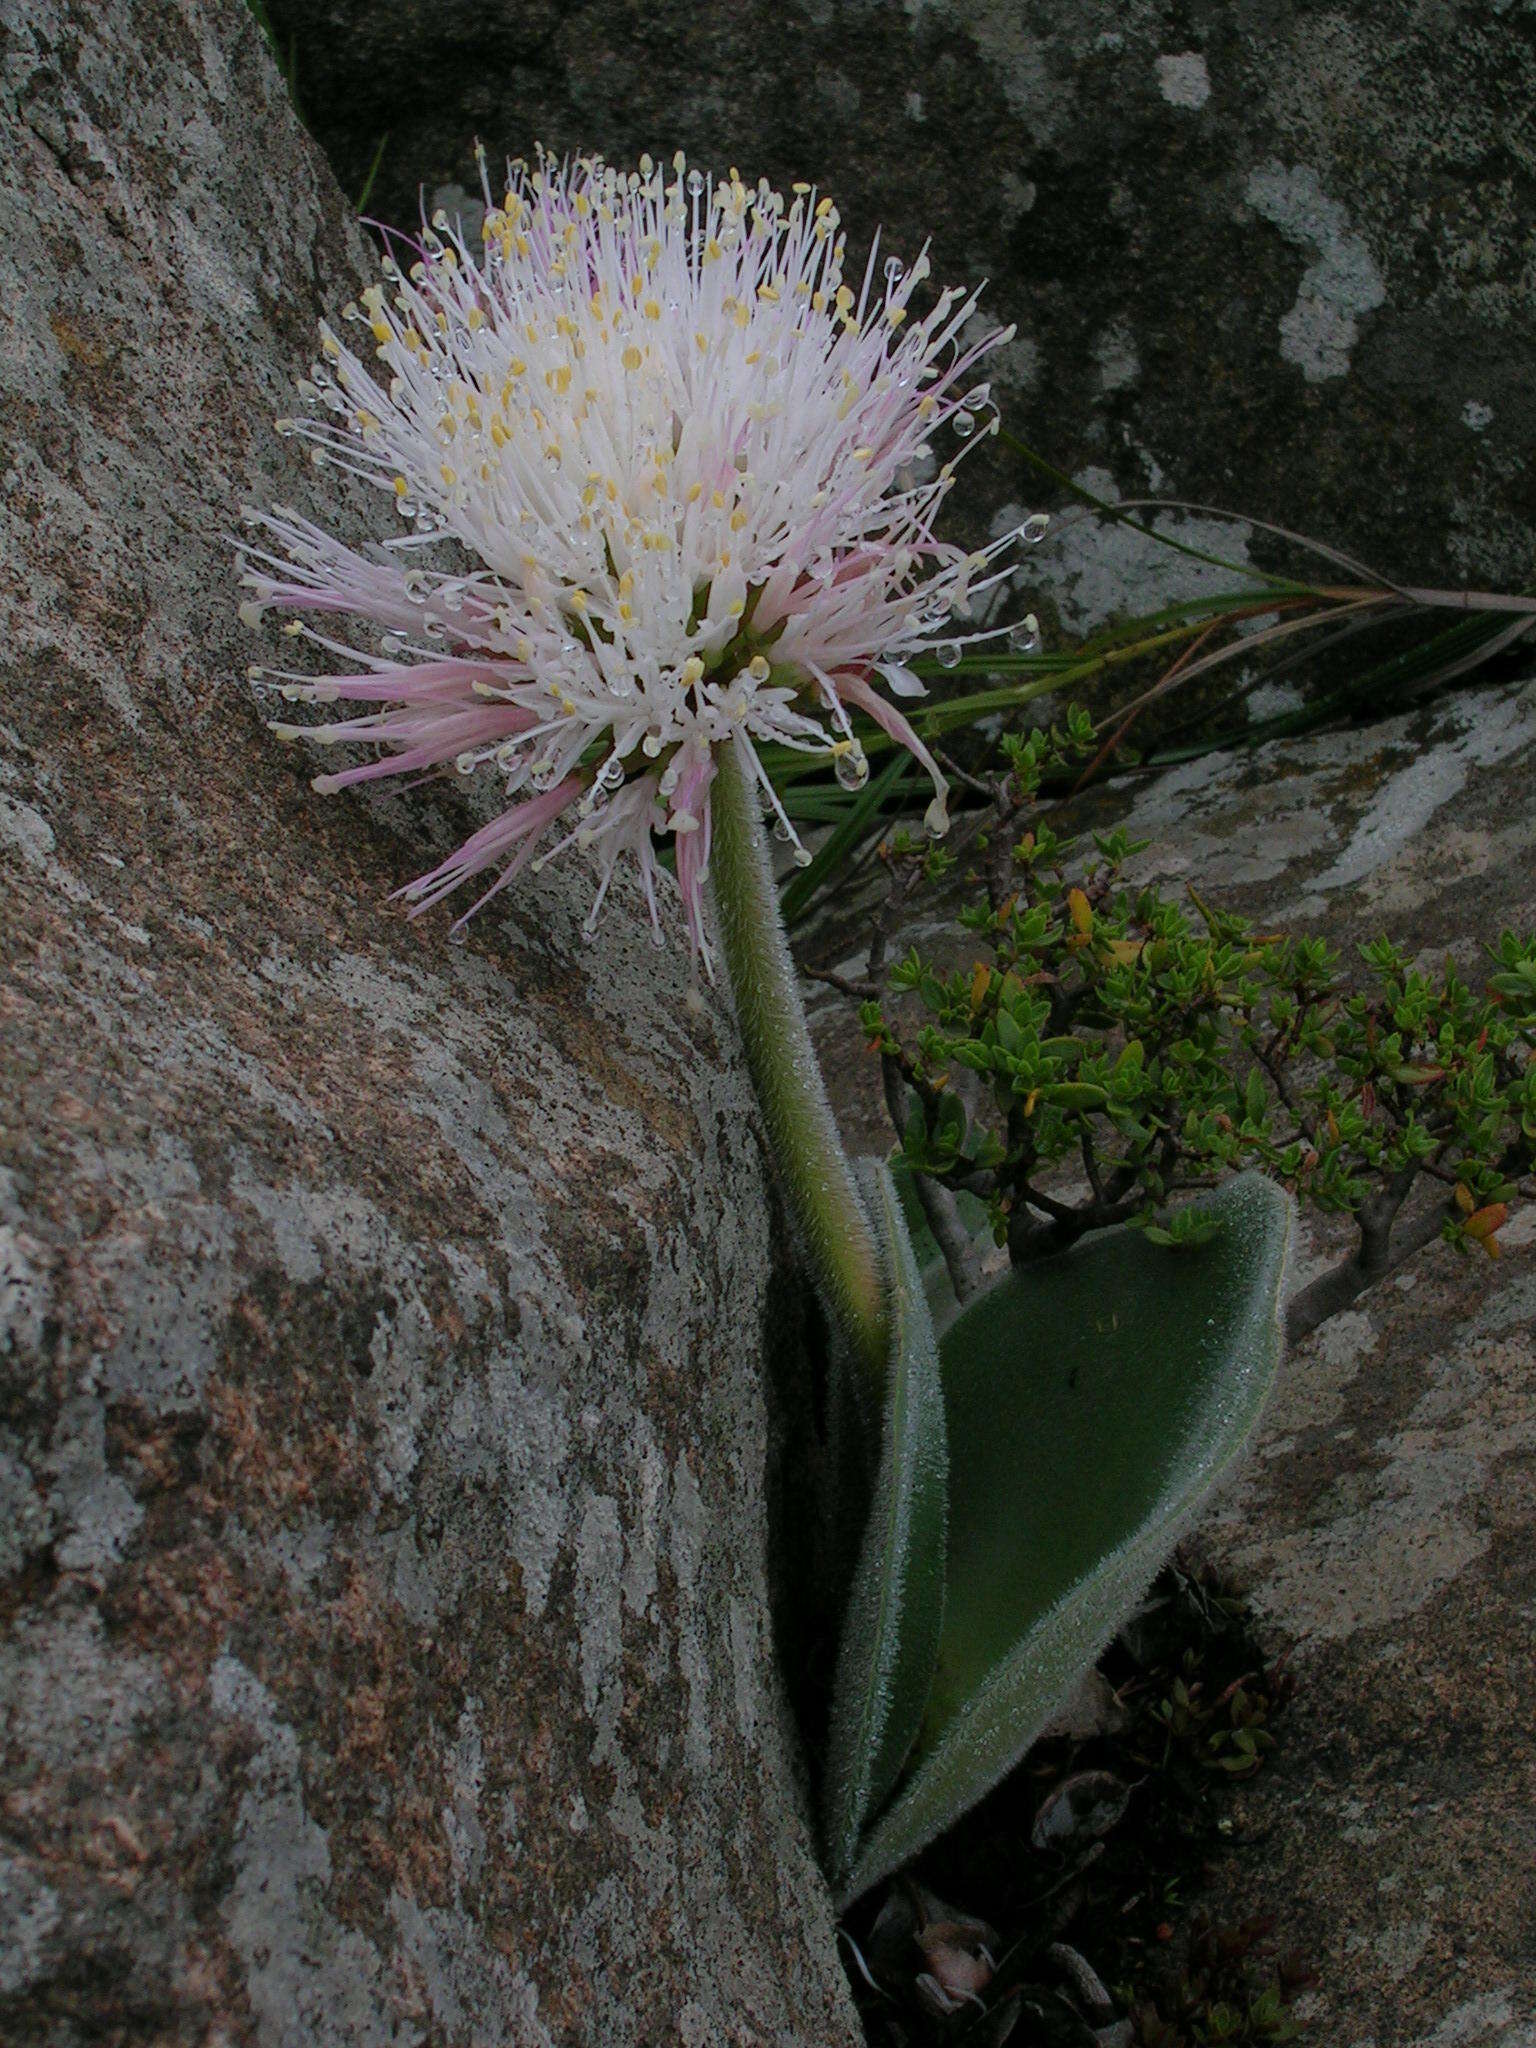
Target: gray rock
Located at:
point(1385, 1522)
point(384, 1631)
point(1270, 257)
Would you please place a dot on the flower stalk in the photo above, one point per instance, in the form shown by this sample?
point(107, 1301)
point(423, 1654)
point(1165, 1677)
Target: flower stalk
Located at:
point(817, 1174)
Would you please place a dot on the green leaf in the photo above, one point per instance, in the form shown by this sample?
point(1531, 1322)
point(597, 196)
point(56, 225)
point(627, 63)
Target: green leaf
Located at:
point(1090, 1402)
point(896, 1603)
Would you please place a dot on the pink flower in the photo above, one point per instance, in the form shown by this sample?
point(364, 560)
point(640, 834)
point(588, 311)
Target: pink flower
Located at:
point(660, 476)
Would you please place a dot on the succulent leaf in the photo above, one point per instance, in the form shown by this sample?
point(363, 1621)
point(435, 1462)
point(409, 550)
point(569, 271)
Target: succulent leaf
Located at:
point(1090, 1402)
point(895, 1606)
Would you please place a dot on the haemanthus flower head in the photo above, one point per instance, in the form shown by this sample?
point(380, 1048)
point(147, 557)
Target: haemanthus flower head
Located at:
point(665, 484)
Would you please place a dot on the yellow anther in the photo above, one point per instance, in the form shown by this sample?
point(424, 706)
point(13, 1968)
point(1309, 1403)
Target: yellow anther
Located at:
point(401, 487)
point(631, 358)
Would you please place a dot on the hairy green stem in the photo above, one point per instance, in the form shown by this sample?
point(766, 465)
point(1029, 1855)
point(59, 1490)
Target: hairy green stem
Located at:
point(816, 1171)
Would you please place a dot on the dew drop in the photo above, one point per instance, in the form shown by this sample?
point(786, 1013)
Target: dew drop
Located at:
point(457, 935)
point(894, 268)
point(803, 856)
point(1025, 636)
point(391, 643)
point(466, 764)
point(852, 769)
point(1035, 528)
point(695, 183)
point(947, 654)
point(964, 424)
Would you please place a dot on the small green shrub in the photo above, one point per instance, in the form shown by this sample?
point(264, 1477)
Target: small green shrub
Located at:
point(1141, 1048)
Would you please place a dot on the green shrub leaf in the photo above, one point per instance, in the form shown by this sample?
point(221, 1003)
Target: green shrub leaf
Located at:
point(1090, 1402)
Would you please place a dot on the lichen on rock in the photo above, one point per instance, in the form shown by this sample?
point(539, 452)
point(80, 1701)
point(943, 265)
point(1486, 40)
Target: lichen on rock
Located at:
point(382, 1543)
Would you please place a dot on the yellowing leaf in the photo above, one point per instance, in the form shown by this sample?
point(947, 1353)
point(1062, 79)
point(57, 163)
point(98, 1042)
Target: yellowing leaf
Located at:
point(1080, 911)
point(1465, 1201)
point(1482, 1223)
point(981, 977)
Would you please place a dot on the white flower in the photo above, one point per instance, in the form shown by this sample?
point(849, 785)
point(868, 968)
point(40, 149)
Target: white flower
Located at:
point(657, 466)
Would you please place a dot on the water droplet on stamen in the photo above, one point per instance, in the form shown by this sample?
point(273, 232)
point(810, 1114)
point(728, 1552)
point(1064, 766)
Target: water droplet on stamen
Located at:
point(964, 424)
point(851, 768)
point(1035, 528)
point(695, 182)
point(1024, 638)
point(391, 643)
point(947, 655)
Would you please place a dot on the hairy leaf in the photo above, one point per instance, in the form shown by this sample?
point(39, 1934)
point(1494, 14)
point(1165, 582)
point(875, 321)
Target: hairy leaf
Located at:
point(1090, 1401)
point(896, 1603)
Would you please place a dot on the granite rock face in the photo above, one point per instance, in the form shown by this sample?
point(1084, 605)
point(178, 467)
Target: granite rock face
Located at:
point(1385, 1522)
point(383, 1617)
point(1274, 257)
